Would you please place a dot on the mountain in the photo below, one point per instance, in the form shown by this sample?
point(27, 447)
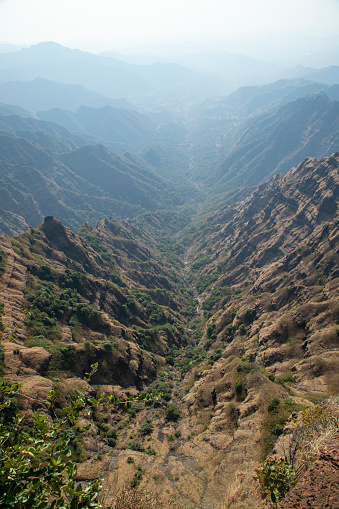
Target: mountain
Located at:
point(261, 342)
point(42, 94)
point(266, 272)
point(216, 124)
point(121, 129)
point(272, 143)
point(48, 135)
point(107, 76)
point(7, 48)
point(111, 275)
point(247, 101)
point(45, 171)
point(327, 75)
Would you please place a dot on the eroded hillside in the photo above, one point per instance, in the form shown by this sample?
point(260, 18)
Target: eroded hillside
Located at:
point(265, 271)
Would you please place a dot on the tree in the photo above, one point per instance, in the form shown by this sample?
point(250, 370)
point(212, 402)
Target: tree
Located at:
point(35, 465)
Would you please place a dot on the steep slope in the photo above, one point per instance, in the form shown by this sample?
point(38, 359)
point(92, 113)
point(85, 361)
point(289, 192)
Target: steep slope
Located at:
point(44, 172)
point(263, 343)
point(114, 125)
point(247, 101)
point(273, 143)
point(8, 109)
point(218, 124)
point(121, 129)
point(80, 298)
point(266, 273)
point(29, 127)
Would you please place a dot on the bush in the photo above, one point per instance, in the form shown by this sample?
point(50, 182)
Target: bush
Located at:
point(272, 407)
point(172, 413)
point(147, 428)
point(276, 477)
point(215, 356)
point(238, 387)
point(111, 437)
point(36, 469)
point(136, 446)
point(137, 477)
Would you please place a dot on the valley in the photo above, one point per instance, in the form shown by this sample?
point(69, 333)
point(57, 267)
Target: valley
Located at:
point(187, 248)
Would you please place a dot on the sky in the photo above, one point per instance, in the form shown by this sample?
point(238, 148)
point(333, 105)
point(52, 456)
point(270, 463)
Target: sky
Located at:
point(99, 25)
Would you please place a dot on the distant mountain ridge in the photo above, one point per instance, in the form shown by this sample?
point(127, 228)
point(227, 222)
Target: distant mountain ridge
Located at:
point(103, 75)
point(121, 129)
point(275, 142)
point(46, 170)
point(43, 94)
point(113, 125)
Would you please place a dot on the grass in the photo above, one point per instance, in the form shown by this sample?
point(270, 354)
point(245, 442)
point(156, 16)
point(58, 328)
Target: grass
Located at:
point(138, 498)
point(278, 411)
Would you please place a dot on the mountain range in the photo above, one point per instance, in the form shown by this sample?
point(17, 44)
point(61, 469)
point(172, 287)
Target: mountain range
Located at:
point(273, 143)
point(266, 272)
point(185, 242)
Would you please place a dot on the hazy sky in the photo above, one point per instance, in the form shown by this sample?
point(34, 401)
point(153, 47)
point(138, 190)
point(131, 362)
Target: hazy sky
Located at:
point(111, 24)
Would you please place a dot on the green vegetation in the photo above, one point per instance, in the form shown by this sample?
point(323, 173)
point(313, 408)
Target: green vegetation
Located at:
point(35, 471)
point(33, 467)
point(218, 297)
point(136, 446)
point(172, 413)
point(137, 477)
point(111, 437)
point(147, 428)
point(312, 430)
point(190, 358)
point(276, 477)
point(278, 411)
point(205, 281)
point(2, 261)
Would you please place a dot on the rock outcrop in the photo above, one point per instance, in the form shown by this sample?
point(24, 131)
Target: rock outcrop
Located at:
point(319, 487)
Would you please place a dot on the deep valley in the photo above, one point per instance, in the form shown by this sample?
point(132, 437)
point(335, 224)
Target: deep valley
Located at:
point(191, 249)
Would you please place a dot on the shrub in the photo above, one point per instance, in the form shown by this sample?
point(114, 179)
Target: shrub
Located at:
point(215, 356)
point(111, 437)
point(238, 387)
point(147, 428)
point(172, 413)
point(136, 446)
point(36, 469)
point(272, 407)
point(276, 477)
point(33, 467)
point(137, 477)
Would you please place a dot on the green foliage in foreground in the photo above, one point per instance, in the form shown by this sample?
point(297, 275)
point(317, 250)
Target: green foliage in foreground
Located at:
point(276, 478)
point(35, 465)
